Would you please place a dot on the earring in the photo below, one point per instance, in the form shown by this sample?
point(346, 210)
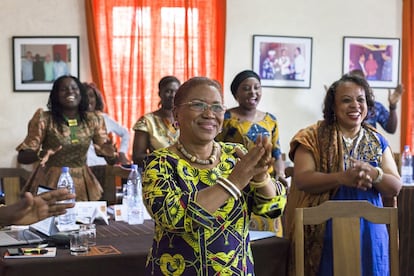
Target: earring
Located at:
point(176, 125)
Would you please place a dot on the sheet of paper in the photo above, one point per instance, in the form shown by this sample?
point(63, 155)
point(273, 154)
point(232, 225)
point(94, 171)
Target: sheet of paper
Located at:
point(89, 211)
point(258, 235)
point(51, 252)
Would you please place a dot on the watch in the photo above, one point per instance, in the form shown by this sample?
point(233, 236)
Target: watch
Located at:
point(378, 179)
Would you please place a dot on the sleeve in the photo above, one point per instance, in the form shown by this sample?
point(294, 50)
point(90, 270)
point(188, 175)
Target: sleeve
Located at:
point(141, 124)
point(36, 131)
point(269, 207)
point(276, 152)
point(100, 136)
point(122, 132)
point(382, 115)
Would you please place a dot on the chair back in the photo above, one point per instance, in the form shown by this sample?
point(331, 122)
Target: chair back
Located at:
point(12, 180)
point(113, 181)
point(345, 217)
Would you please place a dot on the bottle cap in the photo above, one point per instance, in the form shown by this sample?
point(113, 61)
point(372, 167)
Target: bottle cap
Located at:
point(134, 167)
point(65, 169)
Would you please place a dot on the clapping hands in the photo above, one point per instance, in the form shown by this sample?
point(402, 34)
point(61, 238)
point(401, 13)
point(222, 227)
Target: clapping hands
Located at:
point(255, 163)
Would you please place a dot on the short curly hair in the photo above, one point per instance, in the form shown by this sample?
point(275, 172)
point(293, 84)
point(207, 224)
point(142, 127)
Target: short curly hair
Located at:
point(329, 102)
point(190, 84)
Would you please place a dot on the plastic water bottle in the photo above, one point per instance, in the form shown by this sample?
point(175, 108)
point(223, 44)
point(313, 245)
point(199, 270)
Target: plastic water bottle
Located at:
point(124, 210)
point(407, 166)
point(66, 181)
point(134, 196)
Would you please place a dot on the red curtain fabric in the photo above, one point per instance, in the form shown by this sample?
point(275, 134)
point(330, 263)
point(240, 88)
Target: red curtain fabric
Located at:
point(134, 43)
point(407, 103)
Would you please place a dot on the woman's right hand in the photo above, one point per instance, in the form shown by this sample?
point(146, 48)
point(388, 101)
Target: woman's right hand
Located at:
point(249, 164)
point(49, 153)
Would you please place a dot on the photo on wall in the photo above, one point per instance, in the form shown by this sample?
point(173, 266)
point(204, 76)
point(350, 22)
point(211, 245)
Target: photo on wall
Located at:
point(38, 61)
point(283, 61)
point(377, 58)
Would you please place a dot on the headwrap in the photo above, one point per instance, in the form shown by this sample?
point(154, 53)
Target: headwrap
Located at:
point(240, 77)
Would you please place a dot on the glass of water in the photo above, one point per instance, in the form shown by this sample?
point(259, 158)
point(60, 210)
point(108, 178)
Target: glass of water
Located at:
point(78, 242)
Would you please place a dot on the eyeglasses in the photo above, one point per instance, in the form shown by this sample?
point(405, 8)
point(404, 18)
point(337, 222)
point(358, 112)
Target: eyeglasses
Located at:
point(202, 106)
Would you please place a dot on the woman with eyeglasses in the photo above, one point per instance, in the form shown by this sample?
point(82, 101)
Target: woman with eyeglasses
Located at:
point(201, 193)
point(244, 123)
point(60, 137)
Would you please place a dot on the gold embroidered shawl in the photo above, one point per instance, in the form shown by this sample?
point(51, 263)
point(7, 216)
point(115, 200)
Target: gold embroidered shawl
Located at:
point(325, 143)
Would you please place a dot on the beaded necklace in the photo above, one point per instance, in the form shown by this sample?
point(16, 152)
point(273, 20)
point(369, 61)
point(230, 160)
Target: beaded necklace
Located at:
point(350, 148)
point(211, 159)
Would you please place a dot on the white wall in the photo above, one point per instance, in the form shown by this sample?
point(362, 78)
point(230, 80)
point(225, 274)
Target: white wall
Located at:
point(326, 21)
point(32, 18)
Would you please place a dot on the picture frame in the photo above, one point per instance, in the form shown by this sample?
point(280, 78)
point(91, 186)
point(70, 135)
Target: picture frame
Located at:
point(39, 60)
point(276, 60)
point(378, 58)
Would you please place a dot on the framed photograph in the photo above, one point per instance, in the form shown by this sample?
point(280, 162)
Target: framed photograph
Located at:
point(39, 60)
point(283, 61)
point(377, 58)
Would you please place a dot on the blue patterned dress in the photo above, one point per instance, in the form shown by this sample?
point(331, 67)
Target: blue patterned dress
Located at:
point(189, 240)
point(374, 237)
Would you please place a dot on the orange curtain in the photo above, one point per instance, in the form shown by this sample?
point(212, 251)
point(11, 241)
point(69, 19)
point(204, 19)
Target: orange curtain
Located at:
point(134, 43)
point(407, 113)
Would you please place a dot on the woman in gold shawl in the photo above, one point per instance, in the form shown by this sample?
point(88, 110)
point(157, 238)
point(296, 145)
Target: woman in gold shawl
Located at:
point(342, 158)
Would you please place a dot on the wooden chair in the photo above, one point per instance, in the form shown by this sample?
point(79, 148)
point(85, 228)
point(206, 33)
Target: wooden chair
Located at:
point(112, 181)
point(346, 232)
point(12, 180)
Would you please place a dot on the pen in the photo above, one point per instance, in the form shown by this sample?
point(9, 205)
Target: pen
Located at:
point(35, 251)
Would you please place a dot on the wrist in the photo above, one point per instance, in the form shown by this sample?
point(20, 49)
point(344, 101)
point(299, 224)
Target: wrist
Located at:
point(260, 184)
point(379, 177)
point(392, 107)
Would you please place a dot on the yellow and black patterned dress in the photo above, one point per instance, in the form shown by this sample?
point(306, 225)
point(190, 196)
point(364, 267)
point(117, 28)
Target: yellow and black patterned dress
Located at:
point(188, 240)
point(246, 132)
point(43, 134)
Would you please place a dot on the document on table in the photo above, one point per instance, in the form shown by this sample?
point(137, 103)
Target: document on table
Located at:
point(258, 235)
point(33, 252)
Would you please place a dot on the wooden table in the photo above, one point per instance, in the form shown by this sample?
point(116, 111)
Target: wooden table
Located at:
point(131, 243)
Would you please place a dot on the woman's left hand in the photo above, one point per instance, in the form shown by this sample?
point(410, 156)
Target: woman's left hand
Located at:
point(267, 160)
point(363, 179)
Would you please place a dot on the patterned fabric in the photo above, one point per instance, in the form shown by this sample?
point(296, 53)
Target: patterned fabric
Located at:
point(379, 115)
point(189, 240)
point(246, 132)
point(43, 134)
point(162, 134)
point(325, 144)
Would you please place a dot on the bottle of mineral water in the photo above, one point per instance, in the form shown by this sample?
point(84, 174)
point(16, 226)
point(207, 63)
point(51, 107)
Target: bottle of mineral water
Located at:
point(66, 181)
point(134, 196)
point(407, 166)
